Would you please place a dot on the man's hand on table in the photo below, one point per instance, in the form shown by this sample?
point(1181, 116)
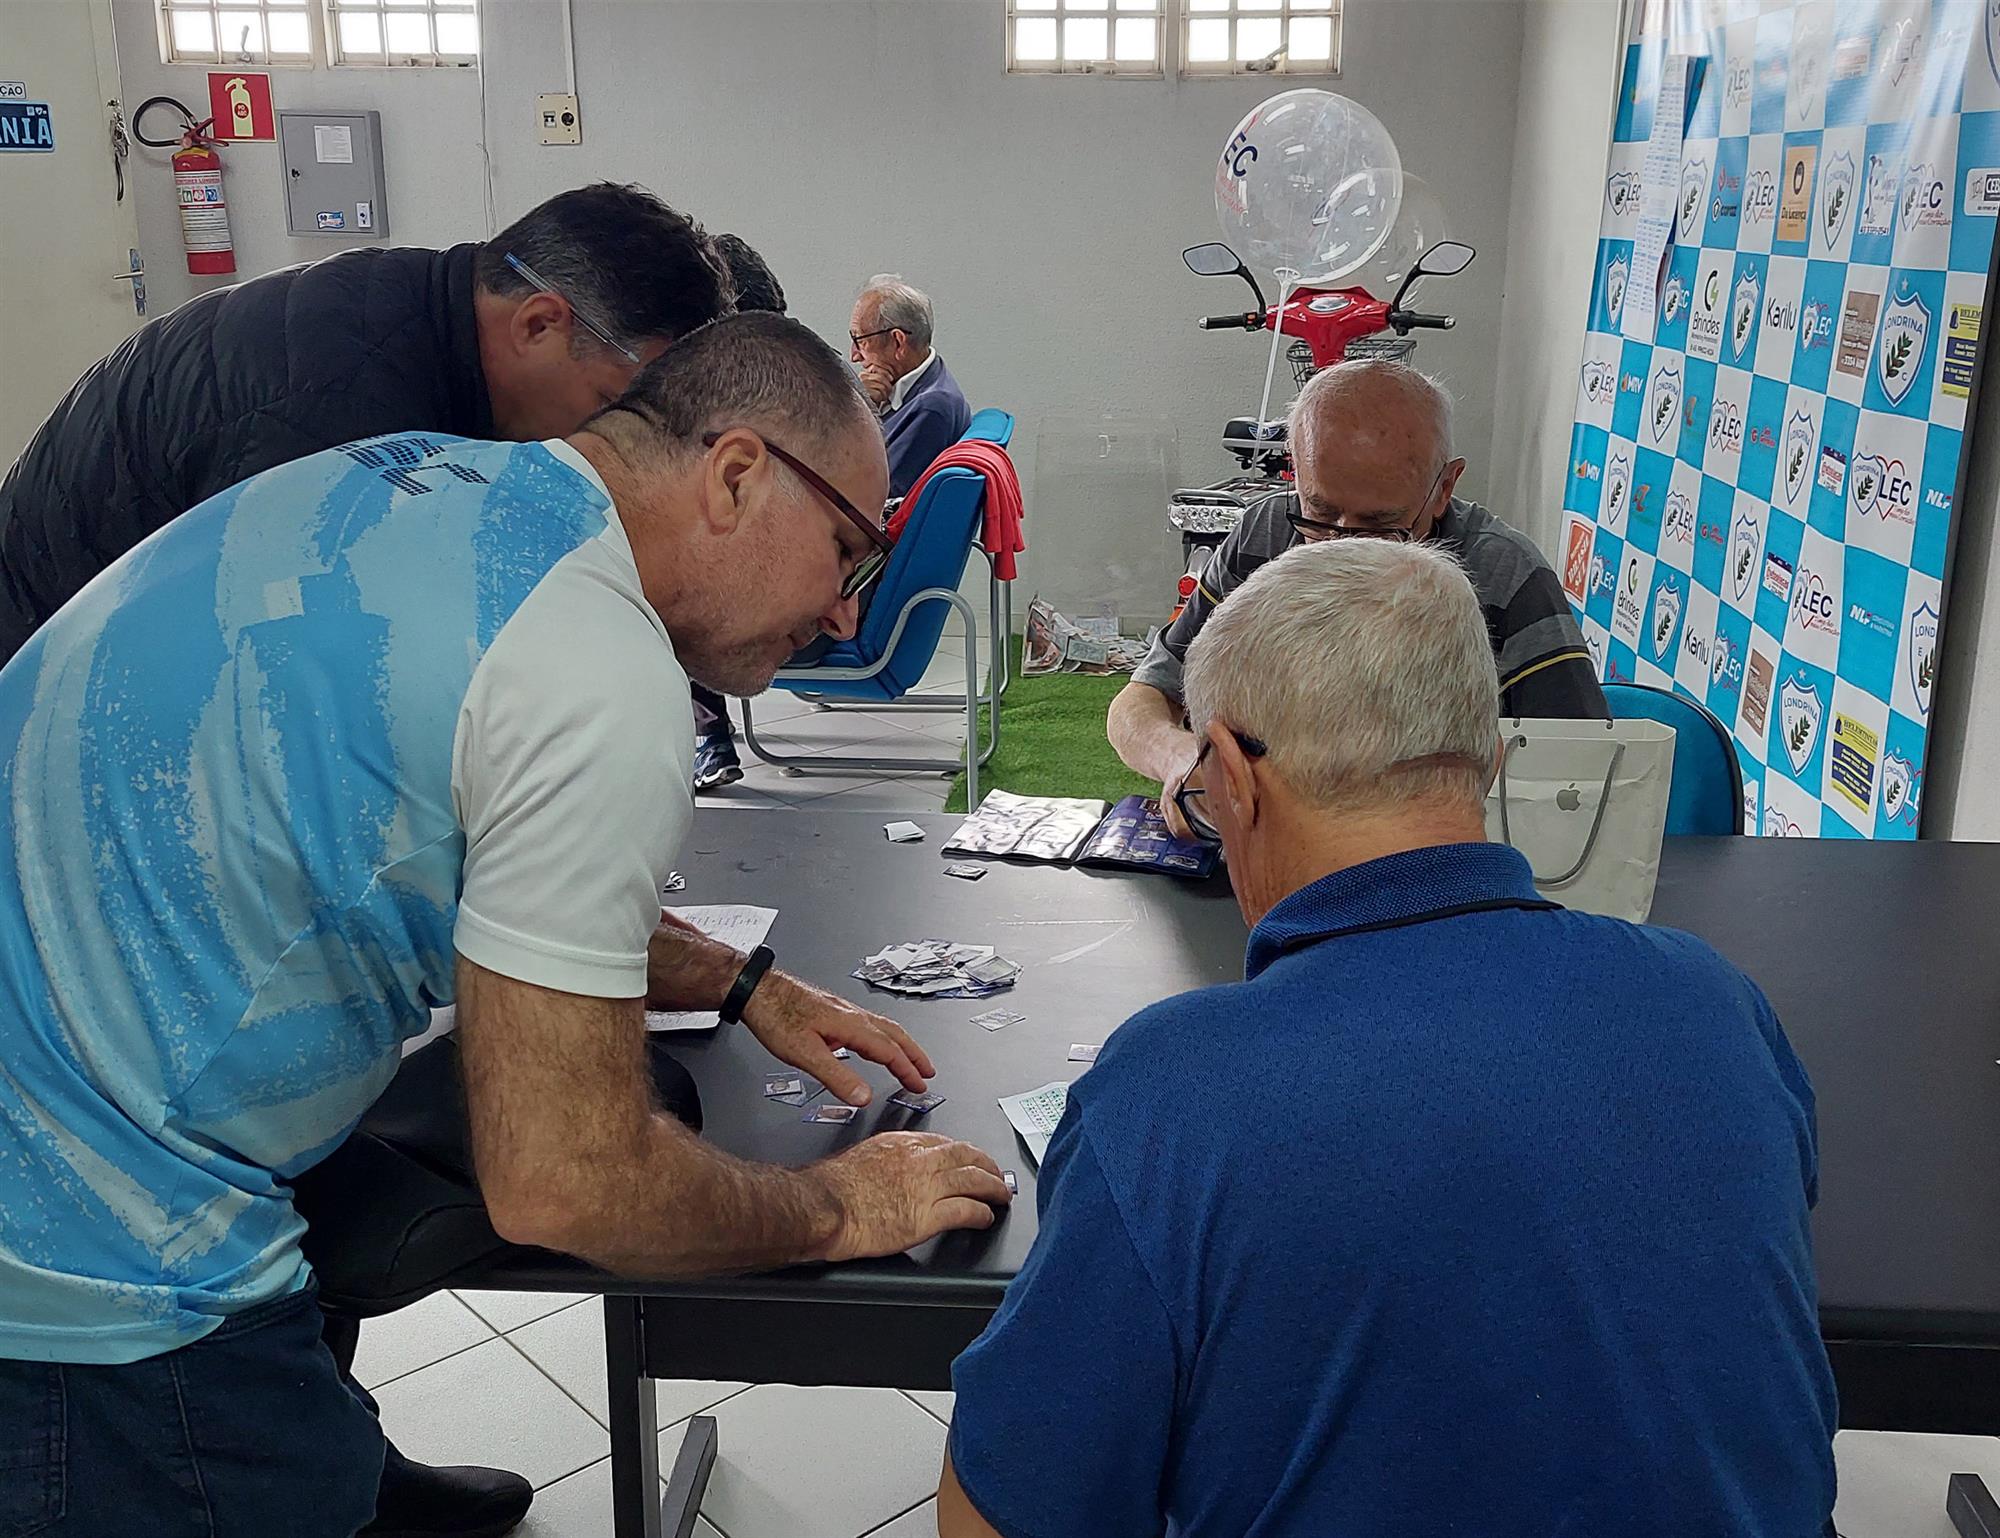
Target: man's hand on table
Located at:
point(800, 1025)
point(898, 1189)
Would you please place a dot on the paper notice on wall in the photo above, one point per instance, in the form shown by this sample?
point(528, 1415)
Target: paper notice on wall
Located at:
point(333, 144)
point(1659, 197)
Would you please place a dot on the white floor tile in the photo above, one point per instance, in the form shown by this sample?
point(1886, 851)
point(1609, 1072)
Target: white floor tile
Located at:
point(921, 1523)
point(510, 1310)
point(569, 1347)
point(939, 1404)
point(771, 705)
point(815, 785)
point(580, 1507)
point(829, 1462)
point(490, 1406)
point(892, 793)
point(741, 798)
point(414, 1337)
point(1892, 1484)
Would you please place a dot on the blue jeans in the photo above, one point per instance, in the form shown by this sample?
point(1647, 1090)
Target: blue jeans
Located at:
point(248, 1433)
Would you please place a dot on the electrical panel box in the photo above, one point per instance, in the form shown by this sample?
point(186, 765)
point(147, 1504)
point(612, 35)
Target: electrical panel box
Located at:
point(333, 173)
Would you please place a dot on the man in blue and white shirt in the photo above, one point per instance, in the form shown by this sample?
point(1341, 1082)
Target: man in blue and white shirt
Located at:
point(395, 725)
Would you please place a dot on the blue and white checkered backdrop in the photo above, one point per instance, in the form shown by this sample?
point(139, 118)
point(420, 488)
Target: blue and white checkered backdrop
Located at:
point(1759, 500)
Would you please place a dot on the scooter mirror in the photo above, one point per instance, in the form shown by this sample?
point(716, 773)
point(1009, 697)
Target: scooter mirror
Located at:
point(1445, 258)
point(1214, 260)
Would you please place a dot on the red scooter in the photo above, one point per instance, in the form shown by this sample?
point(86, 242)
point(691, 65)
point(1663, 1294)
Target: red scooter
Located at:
point(1327, 325)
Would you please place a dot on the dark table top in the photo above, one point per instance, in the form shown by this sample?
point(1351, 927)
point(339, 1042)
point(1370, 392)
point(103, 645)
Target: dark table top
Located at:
point(1880, 958)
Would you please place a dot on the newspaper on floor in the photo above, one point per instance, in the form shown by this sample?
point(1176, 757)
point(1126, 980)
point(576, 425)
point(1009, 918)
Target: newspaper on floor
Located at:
point(1051, 642)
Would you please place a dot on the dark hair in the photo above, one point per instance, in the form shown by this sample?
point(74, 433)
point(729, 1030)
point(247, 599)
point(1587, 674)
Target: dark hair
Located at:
point(757, 287)
point(633, 264)
point(753, 369)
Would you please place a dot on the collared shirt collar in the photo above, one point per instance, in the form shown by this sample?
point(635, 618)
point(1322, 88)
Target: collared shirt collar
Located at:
point(1389, 890)
point(910, 380)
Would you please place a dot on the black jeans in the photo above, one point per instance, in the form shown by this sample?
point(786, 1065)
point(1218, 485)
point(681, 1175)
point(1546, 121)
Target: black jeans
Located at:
point(250, 1432)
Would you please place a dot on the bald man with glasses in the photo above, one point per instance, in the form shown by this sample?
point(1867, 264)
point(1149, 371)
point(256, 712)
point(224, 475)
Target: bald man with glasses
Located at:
point(1372, 442)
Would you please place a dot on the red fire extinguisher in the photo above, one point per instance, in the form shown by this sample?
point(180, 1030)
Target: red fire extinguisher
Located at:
point(198, 187)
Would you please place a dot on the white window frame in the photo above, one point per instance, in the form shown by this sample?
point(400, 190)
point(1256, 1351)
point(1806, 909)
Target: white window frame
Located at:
point(338, 58)
point(1283, 11)
point(1111, 12)
point(223, 57)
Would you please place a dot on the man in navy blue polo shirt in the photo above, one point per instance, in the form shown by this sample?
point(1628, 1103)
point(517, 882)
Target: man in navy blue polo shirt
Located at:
point(1461, 1213)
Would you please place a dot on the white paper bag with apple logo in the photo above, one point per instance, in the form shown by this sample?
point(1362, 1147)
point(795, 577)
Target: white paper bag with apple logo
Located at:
point(1586, 803)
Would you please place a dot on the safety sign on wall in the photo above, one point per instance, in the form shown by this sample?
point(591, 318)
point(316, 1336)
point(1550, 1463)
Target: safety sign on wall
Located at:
point(241, 107)
point(1770, 443)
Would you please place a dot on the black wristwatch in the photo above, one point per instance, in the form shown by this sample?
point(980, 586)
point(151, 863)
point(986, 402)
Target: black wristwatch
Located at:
point(746, 984)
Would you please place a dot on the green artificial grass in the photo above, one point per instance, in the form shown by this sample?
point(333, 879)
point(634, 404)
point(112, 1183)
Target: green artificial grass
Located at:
point(1052, 741)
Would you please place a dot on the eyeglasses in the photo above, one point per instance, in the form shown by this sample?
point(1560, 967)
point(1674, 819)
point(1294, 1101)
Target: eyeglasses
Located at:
point(870, 566)
point(581, 315)
point(857, 338)
point(1313, 528)
point(1187, 798)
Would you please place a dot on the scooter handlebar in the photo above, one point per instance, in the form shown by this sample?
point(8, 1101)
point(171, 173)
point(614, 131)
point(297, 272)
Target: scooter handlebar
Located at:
point(1243, 320)
point(1412, 320)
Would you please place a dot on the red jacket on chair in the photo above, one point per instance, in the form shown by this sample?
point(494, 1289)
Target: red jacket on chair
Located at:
point(1001, 537)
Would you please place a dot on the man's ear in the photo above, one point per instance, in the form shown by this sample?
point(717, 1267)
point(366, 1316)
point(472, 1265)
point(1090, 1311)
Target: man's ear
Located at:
point(732, 477)
point(539, 320)
point(1233, 776)
point(1452, 472)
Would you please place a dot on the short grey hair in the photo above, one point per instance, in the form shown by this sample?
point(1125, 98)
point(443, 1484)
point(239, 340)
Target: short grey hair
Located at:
point(1349, 658)
point(755, 369)
point(1380, 383)
point(899, 305)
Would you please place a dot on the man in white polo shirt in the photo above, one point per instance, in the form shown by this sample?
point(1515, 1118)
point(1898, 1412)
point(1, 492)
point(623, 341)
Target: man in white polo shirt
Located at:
point(396, 724)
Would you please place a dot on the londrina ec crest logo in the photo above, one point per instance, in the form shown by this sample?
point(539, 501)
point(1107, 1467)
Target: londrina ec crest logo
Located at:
point(1906, 325)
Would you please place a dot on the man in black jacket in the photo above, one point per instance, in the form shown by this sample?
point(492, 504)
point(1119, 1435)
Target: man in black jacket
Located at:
point(519, 338)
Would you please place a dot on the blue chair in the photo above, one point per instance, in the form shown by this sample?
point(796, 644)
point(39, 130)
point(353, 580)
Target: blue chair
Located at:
point(1706, 796)
point(900, 633)
point(992, 426)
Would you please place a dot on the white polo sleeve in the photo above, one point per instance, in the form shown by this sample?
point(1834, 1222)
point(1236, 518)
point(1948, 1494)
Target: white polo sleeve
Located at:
point(570, 777)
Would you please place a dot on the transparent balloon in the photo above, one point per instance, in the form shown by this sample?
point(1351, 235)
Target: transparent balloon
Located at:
point(1308, 186)
point(1420, 224)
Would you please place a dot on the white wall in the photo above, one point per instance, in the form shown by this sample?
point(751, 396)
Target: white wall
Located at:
point(844, 137)
point(1569, 58)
